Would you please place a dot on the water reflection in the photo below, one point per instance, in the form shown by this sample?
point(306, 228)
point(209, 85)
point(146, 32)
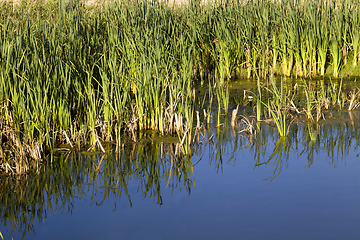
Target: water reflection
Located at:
point(333, 139)
point(155, 163)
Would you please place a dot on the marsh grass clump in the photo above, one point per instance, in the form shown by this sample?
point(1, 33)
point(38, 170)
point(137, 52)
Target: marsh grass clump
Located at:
point(354, 97)
point(282, 105)
point(16, 155)
point(277, 105)
point(79, 75)
point(273, 104)
point(321, 97)
point(247, 125)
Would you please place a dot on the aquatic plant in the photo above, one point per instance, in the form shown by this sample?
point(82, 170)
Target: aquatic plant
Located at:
point(320, 97)
point(277, 105)
point(81, 80)
point(354, 99)
point(247, 125)
point(83, 75)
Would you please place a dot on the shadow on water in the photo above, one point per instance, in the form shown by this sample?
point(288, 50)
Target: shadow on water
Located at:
point(153, 163)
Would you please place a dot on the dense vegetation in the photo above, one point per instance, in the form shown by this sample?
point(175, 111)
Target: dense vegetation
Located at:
point(82, 75)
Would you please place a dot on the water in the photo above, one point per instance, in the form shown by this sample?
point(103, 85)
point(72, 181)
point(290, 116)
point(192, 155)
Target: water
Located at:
point(234, 187)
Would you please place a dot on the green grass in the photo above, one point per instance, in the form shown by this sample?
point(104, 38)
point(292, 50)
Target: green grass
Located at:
point(83, 75)
point(276, 105)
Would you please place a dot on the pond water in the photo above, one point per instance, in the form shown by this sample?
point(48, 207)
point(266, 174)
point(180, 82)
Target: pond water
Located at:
point(232, 187)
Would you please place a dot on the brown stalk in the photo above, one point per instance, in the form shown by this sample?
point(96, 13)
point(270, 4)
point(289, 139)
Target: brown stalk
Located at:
point(233, 116)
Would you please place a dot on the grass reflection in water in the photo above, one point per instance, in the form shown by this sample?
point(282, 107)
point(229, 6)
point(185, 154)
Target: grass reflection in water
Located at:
point(150, 166)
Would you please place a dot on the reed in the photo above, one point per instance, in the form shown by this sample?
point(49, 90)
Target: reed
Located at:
point(354, 34)
point(248, 125)
point(321, 97)
point(354, 99)
point(79, 75)
point(277, 105)
point(310, 100)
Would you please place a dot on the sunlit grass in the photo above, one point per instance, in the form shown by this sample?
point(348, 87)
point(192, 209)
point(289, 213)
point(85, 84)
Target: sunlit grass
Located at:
point(83, 75)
